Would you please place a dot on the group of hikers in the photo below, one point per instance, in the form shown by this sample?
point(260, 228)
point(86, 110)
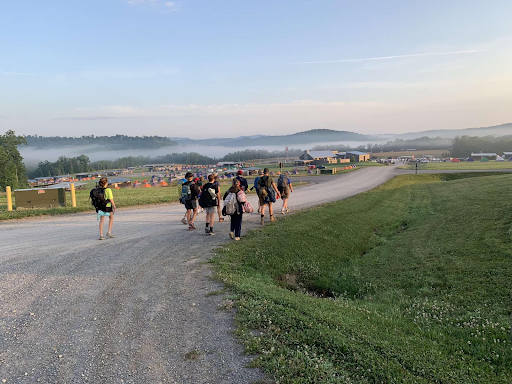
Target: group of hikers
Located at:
point(195, 194)
point(199, 193)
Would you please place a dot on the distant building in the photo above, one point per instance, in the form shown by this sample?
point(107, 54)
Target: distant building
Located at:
point(479, 156)
point(507, 155)
point(318, 157)
point(358, 156)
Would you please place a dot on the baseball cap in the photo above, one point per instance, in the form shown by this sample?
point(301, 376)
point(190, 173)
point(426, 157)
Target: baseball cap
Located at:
point(240, 172)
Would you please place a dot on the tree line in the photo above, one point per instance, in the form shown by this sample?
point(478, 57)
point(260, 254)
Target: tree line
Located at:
point(114, 142)
point(395, 145)
point(463, 146)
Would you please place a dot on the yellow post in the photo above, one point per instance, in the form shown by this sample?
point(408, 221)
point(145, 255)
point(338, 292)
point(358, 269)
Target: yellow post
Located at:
point(9, 198)
point(73, 197)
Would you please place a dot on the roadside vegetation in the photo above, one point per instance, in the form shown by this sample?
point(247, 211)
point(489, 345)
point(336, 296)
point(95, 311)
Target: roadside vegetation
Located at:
point(409, 282)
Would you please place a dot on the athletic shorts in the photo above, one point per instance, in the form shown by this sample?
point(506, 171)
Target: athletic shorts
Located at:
point(211, 209)
point(263, 202)
point(192, 204)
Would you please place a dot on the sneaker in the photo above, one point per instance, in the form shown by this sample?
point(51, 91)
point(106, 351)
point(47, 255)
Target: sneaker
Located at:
point(184, 221)
point(232, 235)
point(211, 232)
point(191, 226)
point(206, 230)
point(110, 235)
point(221, 219)
point(282, 211)
point(102, 237)
point(287, 209)
point(237, 238)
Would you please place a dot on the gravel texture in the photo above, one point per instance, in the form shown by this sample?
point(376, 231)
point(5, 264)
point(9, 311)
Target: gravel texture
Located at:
point(139, 308)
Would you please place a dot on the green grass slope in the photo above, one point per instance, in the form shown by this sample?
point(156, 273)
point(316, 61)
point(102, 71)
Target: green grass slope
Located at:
point(410, 282)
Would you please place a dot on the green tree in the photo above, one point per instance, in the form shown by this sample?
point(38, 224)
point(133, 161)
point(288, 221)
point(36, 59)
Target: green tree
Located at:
point(12, 169)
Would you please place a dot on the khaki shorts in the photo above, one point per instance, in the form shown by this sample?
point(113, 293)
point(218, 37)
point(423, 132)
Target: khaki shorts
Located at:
point(211, 209)
point(285, 193)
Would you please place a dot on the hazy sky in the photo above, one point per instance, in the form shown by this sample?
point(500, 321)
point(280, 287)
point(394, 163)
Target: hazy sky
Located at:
point(204, 68)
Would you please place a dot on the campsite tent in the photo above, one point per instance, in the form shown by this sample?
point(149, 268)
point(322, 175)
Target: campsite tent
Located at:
point(484, 160)
point(470, 159)
point(500, 158)
point(455, 161)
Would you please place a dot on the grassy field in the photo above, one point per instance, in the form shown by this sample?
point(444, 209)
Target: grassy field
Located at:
point(469, 165)
point(417, 154)
point(406, 283)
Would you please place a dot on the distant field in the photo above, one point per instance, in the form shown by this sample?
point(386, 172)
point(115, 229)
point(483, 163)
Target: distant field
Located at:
point(463, 165)
point(417, 154)
point(407, 283)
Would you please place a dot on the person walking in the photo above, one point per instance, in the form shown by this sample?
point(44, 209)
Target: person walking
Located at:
point(284, 185)
point(268, 195)
point(208, 201)
point(110, 208)
point(180, 183)
point(217, 184)
point(236, 216)
point(243, 181)
point(256, 186)
point(189, 193)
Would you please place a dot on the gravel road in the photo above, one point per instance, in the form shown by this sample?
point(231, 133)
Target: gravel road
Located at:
point(139, 308)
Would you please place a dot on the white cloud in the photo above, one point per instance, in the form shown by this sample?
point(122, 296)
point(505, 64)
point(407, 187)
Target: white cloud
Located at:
point(164, 6)
point(392, 57)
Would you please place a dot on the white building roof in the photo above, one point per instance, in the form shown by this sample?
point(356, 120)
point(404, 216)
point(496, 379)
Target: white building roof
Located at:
point(321, 154)
point(484, 154)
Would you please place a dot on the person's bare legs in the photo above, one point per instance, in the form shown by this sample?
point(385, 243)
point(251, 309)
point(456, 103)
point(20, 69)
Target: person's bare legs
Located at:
point(262, 213)
point(102, 220)
point(110, 222)
point(188, 216)
point(194, 214)
point(271, 211)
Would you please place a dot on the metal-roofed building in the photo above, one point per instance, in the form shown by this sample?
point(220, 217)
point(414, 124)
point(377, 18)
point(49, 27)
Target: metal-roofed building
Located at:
point(507, 155)
point(318, 157)
point(358, 156)
point(480, 156)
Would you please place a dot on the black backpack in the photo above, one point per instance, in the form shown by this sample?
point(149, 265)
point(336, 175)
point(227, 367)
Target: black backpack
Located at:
point(98, 200)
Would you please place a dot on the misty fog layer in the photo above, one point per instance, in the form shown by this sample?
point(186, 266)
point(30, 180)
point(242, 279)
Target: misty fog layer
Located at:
point(33, 156)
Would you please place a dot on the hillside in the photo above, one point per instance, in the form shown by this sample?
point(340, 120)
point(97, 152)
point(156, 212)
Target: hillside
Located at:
point(306, 137)
point(497, 130)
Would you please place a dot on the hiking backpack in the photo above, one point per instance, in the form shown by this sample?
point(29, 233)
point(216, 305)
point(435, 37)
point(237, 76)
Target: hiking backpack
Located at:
point(208, 198)
point(186, 193)
point(242, 198)
point(282, 183)
point(98, 201)
point(230, 204)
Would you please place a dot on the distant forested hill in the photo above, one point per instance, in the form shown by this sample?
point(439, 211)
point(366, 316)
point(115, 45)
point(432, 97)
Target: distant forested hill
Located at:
point(307, 137)
point(113, 142)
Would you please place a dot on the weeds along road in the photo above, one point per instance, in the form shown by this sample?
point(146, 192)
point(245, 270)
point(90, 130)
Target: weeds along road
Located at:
point(140, 308)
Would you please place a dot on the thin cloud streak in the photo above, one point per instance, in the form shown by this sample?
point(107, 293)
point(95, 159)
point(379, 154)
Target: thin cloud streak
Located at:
point(392, 57)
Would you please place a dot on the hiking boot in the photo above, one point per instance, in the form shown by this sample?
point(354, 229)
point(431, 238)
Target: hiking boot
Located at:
point(237, 238)
point(232, 235)
point(184, 221)
point(110, 235)
point(102, 237)
point(206, 230)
